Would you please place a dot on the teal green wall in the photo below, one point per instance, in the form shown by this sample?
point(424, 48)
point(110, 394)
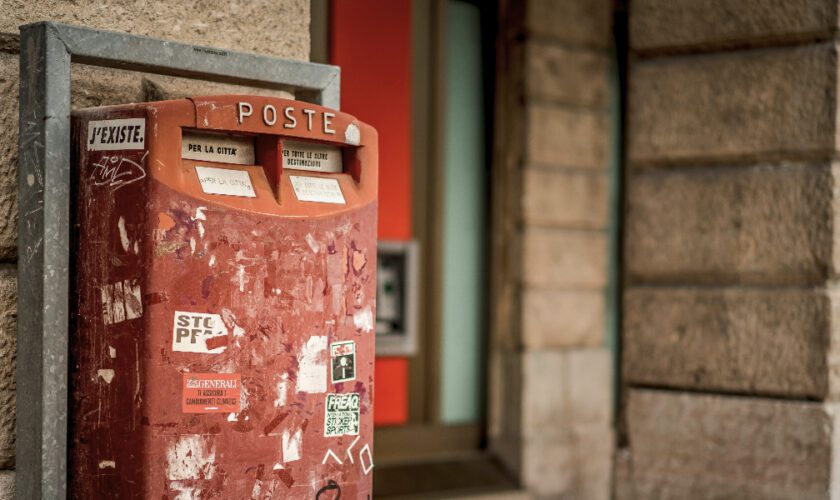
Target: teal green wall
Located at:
point(464, 219)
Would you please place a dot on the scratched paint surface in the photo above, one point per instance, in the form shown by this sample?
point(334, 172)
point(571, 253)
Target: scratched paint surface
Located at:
point(284, 290)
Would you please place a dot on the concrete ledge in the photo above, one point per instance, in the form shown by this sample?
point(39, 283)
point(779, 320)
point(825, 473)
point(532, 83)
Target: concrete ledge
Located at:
point(566, 198)
point(572, 76)
point(562, 318)
point(584, 23)
point(566, 137)
point(764, 104)
point(562, 258)
point(706, 446)
point(663, 25)
point(768, 225)
point(728, 339)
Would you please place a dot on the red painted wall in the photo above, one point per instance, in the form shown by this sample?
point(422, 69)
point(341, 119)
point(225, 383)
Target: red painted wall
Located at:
point(371, 41)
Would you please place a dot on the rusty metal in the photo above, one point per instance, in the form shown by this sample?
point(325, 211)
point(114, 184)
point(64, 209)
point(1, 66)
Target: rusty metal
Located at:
point(46, 53)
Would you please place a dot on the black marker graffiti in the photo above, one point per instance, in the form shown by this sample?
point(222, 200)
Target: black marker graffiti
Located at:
point(331, 486)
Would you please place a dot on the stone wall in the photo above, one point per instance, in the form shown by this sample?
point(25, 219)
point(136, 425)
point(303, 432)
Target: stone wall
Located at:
point(551, 375)
point(729, 364)
point(279, 28)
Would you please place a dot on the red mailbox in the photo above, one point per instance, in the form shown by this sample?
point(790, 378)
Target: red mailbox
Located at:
point(223, 341)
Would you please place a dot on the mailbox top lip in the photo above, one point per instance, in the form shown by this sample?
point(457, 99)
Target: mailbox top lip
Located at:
point(220, 113)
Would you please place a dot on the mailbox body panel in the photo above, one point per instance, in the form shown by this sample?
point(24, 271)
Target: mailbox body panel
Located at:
point(207, 327)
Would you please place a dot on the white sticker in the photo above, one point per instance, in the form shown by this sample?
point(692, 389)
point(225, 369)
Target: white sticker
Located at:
point(199, 332)
point(220, 148)
point(225, 181)
point(342, 415)
point(311, 156)
point(343, 355)
point(317, 189)
point(110, 135)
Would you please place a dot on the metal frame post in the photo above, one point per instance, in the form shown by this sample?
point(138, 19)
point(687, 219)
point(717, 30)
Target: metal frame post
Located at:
point(46, 52)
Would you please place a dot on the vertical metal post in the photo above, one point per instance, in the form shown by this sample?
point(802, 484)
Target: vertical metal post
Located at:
point(43, 268)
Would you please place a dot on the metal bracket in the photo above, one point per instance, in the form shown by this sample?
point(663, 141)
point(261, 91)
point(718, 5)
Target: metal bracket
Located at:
point(46, 52)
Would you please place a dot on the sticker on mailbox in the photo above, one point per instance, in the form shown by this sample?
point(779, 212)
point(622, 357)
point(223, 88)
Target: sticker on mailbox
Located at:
point(343, 355)
point(211, 393)
point(225, 181)
point(111, 135)
point(342, 415)
point(199, 332)
point(311, 156)
point(204, 146)
point(317, 189)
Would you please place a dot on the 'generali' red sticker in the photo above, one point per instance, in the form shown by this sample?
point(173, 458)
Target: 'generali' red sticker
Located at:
point(211, 393)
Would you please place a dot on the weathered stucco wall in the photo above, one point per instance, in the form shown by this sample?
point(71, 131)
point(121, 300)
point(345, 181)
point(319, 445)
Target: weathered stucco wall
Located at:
point(276, 27)
point(730, 251)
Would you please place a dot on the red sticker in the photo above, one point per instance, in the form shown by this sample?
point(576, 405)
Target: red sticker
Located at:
point(211, 393)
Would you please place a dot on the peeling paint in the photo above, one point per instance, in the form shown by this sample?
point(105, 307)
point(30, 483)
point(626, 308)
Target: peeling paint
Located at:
point(112, 352)
point(282, 389)
point(363, 319)
point(126, 243)
point(312, 362)
point(106, 374)
point(192, 456)
point(291, 445)
point(313, 245)
point(107, 464)
point(352, 134)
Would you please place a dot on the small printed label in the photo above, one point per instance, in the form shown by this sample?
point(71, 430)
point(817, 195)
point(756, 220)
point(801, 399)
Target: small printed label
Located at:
point(211, 393)
point(199, 332)
point(311, 156)
point(225, 181)
point(317, 189)
point(343, 355)
point(342, 415)
point(110, 135)
point(220, 148)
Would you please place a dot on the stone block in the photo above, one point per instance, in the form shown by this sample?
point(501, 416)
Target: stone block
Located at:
point(568, 75)
point(594, 447)
point(8, 322)
point(566, 137)
point(548, 466)
point(7, 485)
point(749, 104)
point(755, 341)
point(768, 225)
point(565, 389)
point(685, 445)
point(585, 23)
point(662, 25)
point(562, 318)
point(568, 198)
point(588, 383)
point(546, 408)
point(7, 429)
point(279, 28)
point(561, 258)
